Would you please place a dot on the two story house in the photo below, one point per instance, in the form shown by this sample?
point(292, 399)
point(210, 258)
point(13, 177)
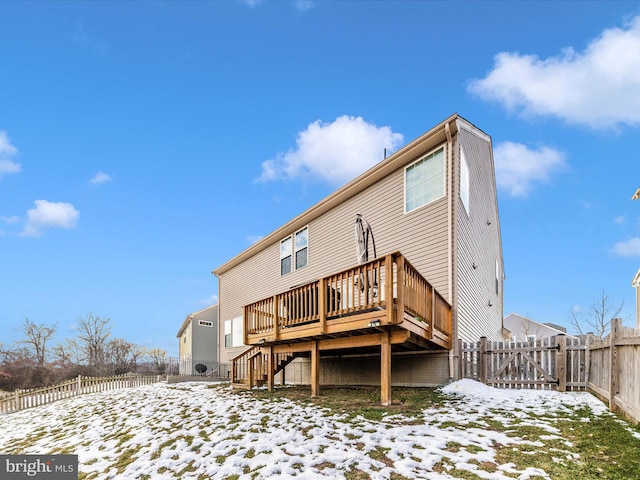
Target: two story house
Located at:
point(302, 295)
point(198, 343)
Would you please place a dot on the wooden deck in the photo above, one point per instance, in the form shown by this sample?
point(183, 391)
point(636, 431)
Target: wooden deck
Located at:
point(382, 302)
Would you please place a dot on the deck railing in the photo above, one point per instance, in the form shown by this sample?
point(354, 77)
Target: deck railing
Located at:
point(376, 285)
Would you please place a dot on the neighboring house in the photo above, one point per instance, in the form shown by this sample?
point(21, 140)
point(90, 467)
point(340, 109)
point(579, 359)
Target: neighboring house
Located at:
point(523, 329)
point(636, 284)
point(198, 337)
point(299, 292)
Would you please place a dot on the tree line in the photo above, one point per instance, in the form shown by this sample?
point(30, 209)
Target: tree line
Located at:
point(35, 362)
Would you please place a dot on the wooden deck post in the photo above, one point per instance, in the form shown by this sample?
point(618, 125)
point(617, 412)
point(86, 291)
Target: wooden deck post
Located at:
point(482, 367)
point(250, 373)
point(276, 319)
point(385, 369)
point(561, 362)
point(315, 369)
point(399, 314)
point(270, 368)
point(613, 363)
point(388, 287)
point(322, 304)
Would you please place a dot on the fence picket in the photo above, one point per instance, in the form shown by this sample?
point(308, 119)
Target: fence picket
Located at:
point(608, 368)
point(28, 398)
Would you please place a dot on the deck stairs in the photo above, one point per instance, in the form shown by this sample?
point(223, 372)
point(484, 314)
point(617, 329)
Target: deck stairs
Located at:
point(250, 368)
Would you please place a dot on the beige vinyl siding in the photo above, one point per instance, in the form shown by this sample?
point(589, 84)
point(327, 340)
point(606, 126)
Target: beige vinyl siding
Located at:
point(420, 235)
point(477, 242)
point(185, 344)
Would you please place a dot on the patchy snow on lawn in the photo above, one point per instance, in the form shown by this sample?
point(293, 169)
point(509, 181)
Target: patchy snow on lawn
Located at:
point(191, 430)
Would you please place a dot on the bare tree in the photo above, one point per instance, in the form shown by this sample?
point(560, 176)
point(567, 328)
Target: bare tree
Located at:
point(122, 355)
point(597, 319)
point(159, 359)
point(92, 338)
point(37, 338)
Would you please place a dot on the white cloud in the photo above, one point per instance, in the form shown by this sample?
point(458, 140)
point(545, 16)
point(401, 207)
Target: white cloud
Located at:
point(7, 151)
point(518, 167)
point(304, 5)
point(620, 220)
point(599, 87)
point(9, 220)
point(628, 248)
point(99, 178)
point(335, 152)
point(254, 238)
point(212, 300)
point(50, 215)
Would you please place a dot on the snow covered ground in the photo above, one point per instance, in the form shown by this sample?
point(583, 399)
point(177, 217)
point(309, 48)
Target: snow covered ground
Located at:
point(195, 430)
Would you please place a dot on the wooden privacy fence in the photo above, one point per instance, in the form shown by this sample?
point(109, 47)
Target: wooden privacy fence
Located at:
point(22, 399)
point(610, 368)
point(615, 369)
point(558, 363)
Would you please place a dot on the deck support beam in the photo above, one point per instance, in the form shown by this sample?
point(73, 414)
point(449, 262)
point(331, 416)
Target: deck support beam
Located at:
point(270, 368)
point(385, 369)
point(315, 369)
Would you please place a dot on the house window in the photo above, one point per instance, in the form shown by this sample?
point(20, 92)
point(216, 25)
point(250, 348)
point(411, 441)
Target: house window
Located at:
point(464, 181)
point(531, 339)
point(233, 332)
point(204, 323)
point(424, 180)
point(294, 251)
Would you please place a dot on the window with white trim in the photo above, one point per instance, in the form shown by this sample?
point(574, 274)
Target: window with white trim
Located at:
point(233, 332)
point(424, 180)
point(294, 251)
point(464, 181)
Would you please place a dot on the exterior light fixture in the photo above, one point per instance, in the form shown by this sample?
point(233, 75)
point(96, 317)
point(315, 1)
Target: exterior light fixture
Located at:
point(374, 323)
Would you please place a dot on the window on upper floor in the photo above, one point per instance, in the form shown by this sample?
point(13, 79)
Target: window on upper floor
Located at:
point(294, 251)
point(424, 180)
point(464, 181)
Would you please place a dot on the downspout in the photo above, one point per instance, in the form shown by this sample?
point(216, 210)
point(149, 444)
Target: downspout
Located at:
point(454, 326)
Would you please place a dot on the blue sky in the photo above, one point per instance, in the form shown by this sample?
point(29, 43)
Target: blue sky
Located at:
point(143, 144)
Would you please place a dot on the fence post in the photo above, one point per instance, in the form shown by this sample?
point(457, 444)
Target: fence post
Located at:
point(79, 384)
point(587, 360)
point(461, 360)
point(482, 367)
point(613, 363)
point(561, 362)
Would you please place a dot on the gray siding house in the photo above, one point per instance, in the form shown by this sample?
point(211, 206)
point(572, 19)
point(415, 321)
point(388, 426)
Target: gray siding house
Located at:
point(301, 298)
point(198, 340)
